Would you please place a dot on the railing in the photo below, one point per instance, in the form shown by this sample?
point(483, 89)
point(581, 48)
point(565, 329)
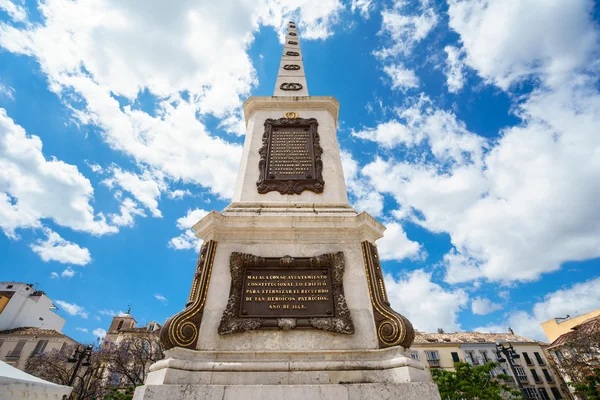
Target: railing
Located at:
point(434, 363)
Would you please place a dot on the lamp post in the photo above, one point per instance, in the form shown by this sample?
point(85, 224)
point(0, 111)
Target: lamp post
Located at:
point(509, 355)
point(82, 358)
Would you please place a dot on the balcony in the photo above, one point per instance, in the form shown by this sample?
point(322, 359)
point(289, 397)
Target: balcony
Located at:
point(434, 363)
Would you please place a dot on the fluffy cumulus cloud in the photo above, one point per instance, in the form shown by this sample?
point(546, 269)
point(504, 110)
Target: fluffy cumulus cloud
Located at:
point(483, 306)
point(188, 240)
point(426, 304)
point(99, 333)
point(364, 7)
point(33, 188)
point(404, 28)
point(401, 77)
point(84, 330)
point(112, 313)
point(395, 245)
point(55, 248)
point(455, 73)
point(145, 187)
point(577, 299)
point(362, 196)
point(72, 308)
point(546, 38)
point(15, 11)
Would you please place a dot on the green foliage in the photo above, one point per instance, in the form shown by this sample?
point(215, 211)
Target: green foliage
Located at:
point(473, 383)
point(590, 388)
point(120, 394)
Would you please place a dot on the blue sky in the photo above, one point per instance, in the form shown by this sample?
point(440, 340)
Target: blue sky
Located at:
point(469, 127)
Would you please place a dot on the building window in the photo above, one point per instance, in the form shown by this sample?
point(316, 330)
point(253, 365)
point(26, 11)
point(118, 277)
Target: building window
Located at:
point(556, 393)
point(543, 394)
point(539, 359)
point(536, 378)
point(433, 357)
point(39, 348)
point(120, 325)
point(115, 379)
point(455, 357)
point(414, 355)
point(559, 355)
point(530, 393)
point(484, 356)
point(16, 352)
point(521, 374)
point(151, 328)
point(527, 359)
point(471, 358)
point(9, 287)
point(547, 376)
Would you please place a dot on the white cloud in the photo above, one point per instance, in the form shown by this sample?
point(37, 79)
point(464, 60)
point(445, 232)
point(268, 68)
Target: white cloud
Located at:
point(483, 306)
point(85, 330)
point(402, 78)
point(395, 245)
point(364, 7)
point(580, 298)
point(404, 30)
point(68, 273)
point(72, 309)
point(5, 91)
point(16, 12)
point(549, 38)
point(54, 275)
point(179, 194)
point(455, 75)
point(146, 188)
point(187, 240)
point(160, 297)
point(363, 197)
point(33, 188)
point(99, 333)
point(544, 170)
point(112, 313)
point(55, 248)
point(426, 304)
point(128, 209)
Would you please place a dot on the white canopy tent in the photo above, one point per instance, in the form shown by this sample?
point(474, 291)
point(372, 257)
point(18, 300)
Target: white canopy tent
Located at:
point(16, 384)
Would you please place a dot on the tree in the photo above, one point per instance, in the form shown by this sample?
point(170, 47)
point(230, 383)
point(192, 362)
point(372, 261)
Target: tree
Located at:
point(590, 388)
point(473, 383)
point(130, 358)
point(577, 353)
point(54, 366)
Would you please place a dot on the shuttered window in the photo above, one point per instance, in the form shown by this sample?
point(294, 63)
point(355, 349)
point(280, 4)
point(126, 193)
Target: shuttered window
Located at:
point(535, 376)
point(16, 352)
point(547, 376)
point(39, 348)
point(455, 357)
point(539, 359)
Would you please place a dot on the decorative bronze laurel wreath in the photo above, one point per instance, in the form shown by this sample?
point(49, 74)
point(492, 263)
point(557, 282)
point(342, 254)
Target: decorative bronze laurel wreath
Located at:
point(292, 26)
point(292, 42)
point(291, 86)
point(292, 53)
point(293, 34)
point(291, 67)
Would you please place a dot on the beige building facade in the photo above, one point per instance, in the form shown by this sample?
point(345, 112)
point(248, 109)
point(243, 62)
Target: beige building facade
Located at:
point(534, 372)
point(17, 345)
point(556, 327)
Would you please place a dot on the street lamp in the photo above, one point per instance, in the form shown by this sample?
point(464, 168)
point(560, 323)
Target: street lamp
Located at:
point(82, 358)
point(509, 355)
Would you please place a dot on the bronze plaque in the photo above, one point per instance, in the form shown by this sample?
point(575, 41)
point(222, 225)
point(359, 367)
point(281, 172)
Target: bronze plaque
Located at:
point(287, 293)
point(290, 157)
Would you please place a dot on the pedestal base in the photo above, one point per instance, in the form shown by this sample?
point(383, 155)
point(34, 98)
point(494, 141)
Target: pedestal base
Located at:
point(359, 391)
point(264, 375)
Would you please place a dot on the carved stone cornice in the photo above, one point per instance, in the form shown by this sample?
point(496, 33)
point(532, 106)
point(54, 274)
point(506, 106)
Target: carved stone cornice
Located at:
point(181, 330)
point(340, 322)
point(296, 103)
point(392, 328)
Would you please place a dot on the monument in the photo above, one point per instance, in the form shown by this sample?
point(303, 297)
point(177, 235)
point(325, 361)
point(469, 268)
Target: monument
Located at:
point(288, 298)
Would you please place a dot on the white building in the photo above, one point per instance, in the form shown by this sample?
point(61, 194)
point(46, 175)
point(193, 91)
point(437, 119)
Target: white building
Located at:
point(23, 306)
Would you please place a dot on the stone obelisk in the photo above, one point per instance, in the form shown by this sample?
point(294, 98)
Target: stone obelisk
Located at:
point(288, 299)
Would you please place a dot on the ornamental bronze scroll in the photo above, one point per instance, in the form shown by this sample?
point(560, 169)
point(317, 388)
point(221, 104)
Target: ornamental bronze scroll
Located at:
point(292, 42)
point(293, 34)
point(330, 314)
point(292, 53)
point(393, 329)
point(181, 330)
point(290, 157)
point(291, 67)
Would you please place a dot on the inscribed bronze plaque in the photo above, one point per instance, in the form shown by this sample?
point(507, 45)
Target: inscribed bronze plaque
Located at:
point(290, 157)
point(287, 293)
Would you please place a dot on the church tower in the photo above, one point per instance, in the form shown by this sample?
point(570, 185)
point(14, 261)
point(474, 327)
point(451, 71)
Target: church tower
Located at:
point(288, 298)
